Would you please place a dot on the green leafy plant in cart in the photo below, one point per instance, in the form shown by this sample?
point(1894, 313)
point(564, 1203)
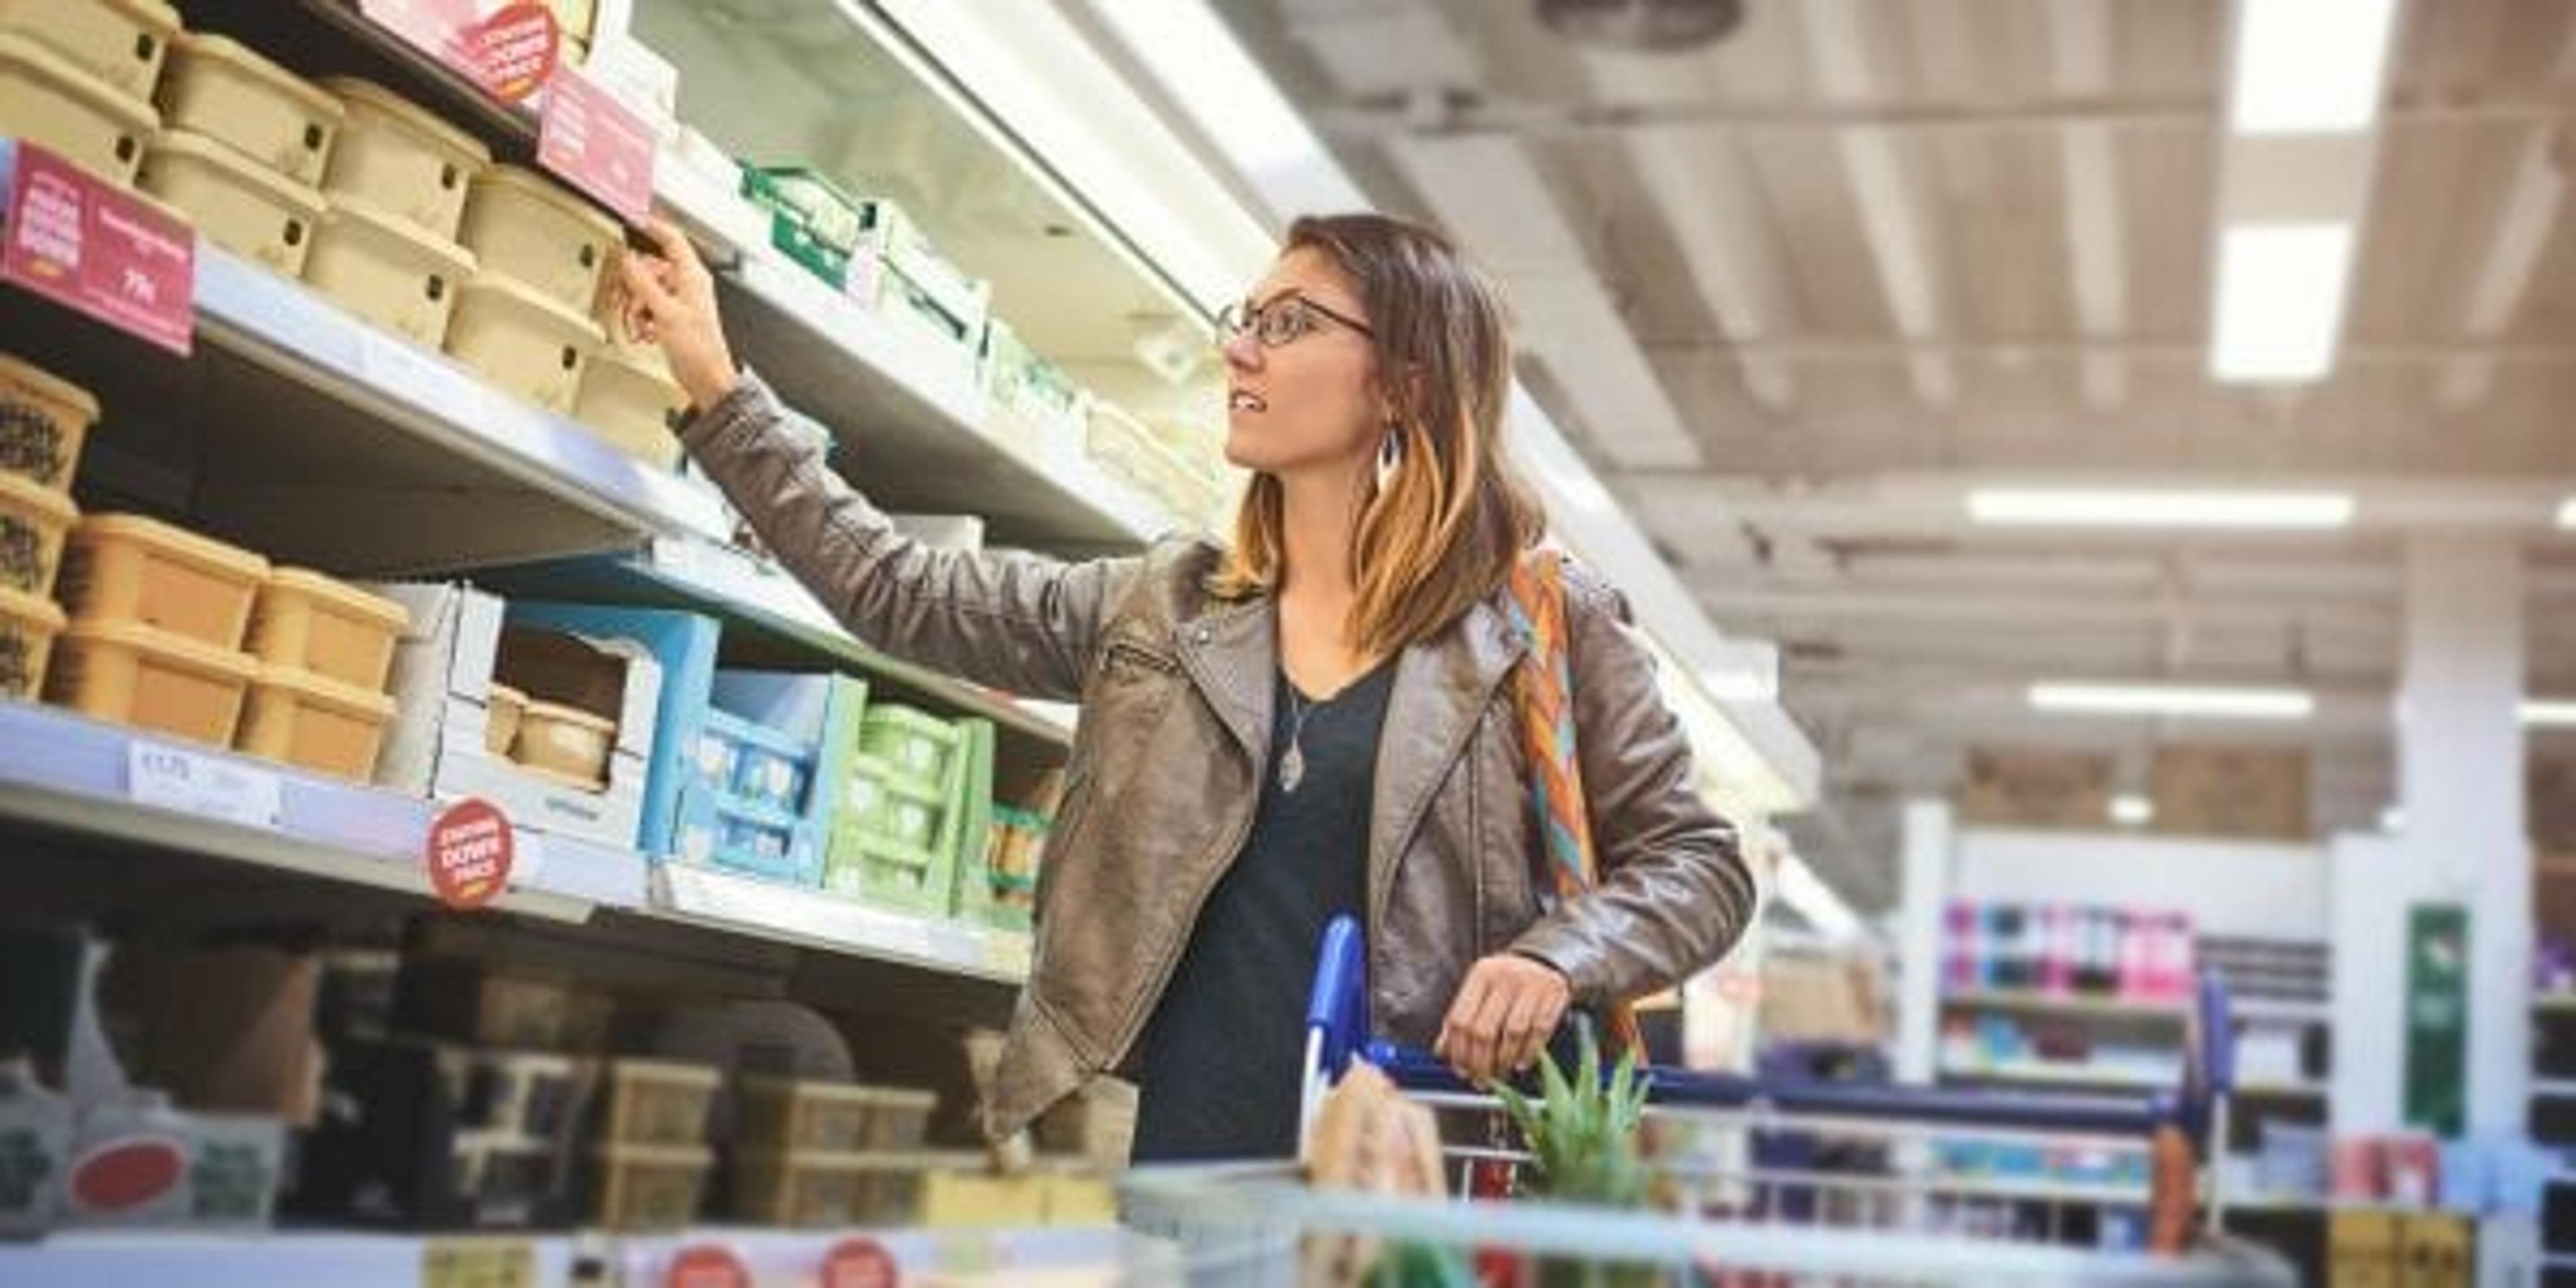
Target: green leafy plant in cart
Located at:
point(1585, 1139)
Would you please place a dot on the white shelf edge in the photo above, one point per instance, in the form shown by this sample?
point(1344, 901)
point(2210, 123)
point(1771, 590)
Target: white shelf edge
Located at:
point(2031, 1072)
point(2103, 1007)
point(748, 905)
point(303, 335)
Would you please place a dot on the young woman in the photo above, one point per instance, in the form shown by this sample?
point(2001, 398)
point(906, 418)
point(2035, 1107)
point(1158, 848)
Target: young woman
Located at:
point(1315, 719)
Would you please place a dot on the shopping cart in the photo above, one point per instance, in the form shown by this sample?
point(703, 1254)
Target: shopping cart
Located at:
point(1759, 1183)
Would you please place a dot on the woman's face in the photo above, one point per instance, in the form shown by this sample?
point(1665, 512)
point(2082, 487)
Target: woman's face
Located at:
point(1312, 402)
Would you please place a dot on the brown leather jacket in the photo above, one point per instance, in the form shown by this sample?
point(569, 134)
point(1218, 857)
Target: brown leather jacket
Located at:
point(1176, 690)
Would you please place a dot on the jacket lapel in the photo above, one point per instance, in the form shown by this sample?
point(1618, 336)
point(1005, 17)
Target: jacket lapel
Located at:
point(1442, 685)
point(1231, 655)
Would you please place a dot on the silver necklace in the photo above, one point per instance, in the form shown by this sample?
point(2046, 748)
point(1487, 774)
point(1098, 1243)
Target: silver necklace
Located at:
point(1292, 765)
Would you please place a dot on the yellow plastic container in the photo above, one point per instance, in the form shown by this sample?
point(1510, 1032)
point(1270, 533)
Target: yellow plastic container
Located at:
point(800, 1116)
point(821, 1191)
point(49, 101)
point(121, 42)
point(567, 742)
point(29, 625)
point(644, 1187)
point(522, 341)
point(316, 723)
point(502, 717)
point(633, 406)
point(126, 568)
point(523, 225)
point(387, 271)
point(35, 523)
point(306, 621)
point(44, 419)
point(658, 1102)
point(247, 209)
point(216, 87)
point(399, 156)
point(146, 679)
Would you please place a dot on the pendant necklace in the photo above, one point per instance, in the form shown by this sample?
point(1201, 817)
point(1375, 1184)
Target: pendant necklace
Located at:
point(1292, 764)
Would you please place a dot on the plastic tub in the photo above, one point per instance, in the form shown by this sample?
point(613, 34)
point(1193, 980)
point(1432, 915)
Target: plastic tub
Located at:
point(126, 568)
point(44, 419)
point(306, 621)
point(246, 209)
point(146, 679)
point(29, 625)
point(387, 271)
point(523, 225)
point(398, 156)
point(650, 1188)
point(521, 340)
point(565, 741)
point(912, 744)
point(655, 1102)
point(789, 1115)
point(49, 101)
point(632, 405)
point(35, 522)
point(218, 88)
point(501, 722)
point(121, 42)
point(315, 723)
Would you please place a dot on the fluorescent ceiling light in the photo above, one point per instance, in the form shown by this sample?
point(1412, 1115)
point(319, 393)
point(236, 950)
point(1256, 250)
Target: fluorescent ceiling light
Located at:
point(2309, 66)
point(2105, 508)
point(2549, 713)
point(2567, 513)
point(1803, 892)
point(2172, 700)
point(2281, 290)
point(2393, 819)
point(2132, 810)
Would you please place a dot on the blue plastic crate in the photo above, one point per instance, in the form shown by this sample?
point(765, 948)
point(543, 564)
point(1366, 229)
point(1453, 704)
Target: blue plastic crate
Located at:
point(746, 836)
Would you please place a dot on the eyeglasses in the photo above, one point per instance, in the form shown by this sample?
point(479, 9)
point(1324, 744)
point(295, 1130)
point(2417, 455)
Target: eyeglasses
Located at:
point(1281, 321)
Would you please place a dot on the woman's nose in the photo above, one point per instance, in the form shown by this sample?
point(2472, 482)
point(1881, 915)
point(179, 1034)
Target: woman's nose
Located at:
point(1242, 350)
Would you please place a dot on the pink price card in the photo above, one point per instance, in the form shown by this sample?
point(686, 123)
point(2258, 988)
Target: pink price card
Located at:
point(87, 244)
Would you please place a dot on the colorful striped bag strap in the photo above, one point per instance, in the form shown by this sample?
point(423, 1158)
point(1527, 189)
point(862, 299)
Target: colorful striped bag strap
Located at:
point(1546, 700)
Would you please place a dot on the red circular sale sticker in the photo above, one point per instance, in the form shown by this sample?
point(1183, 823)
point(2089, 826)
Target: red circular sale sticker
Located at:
point(513, 52)
point(469, 853)
point(707, 1265)
point(860, 1263)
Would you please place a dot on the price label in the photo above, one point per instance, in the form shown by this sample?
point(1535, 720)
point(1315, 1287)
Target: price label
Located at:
point(597, 143)
point(173, 778)
point(470, 853)
point(84, 243)
point(860, 1263)
point(478, 1263)
point(508, 52)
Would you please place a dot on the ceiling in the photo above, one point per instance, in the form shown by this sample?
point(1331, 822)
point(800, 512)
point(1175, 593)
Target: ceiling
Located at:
point(1794, 292)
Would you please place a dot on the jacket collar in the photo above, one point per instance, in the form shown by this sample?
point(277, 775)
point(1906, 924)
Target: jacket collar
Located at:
point(1443, 686)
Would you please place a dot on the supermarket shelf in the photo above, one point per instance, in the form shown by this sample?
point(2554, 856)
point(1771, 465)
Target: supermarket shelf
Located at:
point(2555, 1004)
point(2265, 1008)
point(2037, 1189)
point(2279, 1203)
point(300, 1259)
point(70, 774)
point(2553, 1087)
point(704, 577)
point(2067, 1075)
point(794, 915)
point(2283, 1090)
point(2075, 1007)
point(915, 425)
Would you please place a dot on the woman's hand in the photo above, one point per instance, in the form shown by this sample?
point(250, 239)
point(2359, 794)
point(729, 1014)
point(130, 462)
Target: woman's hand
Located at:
point(670, 300)
point(1505, 1013)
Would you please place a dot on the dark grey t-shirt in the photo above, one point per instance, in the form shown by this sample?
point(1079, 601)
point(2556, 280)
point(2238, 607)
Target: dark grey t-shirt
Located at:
point(1222, 1056)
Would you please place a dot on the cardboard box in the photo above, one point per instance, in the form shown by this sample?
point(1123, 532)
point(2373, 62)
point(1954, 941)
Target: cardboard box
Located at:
point(230, 1030)
point(819, 714)
point(683, 645)
point(2362, 1249)
point(2437, 1251)
point(2248, 792)
point(442, 685)
point(1810, 1000)
point(2007, 787)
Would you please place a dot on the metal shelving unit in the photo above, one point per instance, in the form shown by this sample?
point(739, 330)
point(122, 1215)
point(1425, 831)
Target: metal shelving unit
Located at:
point(2066, 1006)
point(2035, 1073)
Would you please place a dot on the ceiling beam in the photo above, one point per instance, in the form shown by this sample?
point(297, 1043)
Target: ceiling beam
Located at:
point(1712, 201)
point(1896, 223)
point(2505, 275)
point(2079, 34)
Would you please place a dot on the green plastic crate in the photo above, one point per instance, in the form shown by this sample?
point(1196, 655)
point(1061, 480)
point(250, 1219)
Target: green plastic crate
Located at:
point(889, 874)
point(914, 745)
point(878, 800)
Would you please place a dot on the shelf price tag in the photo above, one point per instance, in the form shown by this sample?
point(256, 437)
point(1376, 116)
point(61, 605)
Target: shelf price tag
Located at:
point(597, 143)
point(83, 243)
point(508, 53)
point(478, 1263)
point(860, 1263)
point(172, 778)
point(470, 850)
